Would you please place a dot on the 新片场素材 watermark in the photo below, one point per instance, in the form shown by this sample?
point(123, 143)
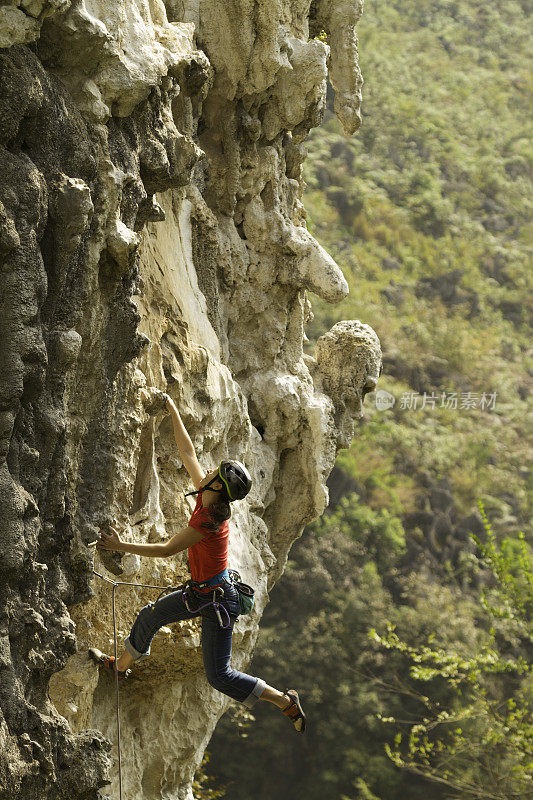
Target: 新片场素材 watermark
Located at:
point(417, 401)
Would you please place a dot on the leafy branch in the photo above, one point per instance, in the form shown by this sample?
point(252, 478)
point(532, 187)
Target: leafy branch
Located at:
point(478, 741)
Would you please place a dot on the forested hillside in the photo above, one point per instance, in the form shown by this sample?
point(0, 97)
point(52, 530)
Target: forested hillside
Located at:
point(428, 211)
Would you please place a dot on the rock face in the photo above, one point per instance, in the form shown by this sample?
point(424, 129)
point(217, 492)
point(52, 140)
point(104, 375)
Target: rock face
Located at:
point(152, 237)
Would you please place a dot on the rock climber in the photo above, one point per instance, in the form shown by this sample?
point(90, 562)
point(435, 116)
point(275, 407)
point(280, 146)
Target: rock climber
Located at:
point(206, 537)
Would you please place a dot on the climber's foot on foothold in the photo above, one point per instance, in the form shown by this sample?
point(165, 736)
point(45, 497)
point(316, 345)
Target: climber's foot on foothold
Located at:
point(107, 662)
point(294, 710)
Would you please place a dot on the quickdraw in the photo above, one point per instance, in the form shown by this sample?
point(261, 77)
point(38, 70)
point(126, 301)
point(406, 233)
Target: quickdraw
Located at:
point(217, 605)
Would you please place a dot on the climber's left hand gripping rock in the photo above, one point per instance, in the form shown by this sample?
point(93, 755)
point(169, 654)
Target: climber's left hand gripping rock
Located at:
point(110, 541)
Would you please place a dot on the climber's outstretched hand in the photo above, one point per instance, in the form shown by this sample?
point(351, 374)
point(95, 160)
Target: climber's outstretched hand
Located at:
point(111, 540)
point(185, 445)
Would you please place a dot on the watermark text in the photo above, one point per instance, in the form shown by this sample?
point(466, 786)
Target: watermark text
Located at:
point(418, 401)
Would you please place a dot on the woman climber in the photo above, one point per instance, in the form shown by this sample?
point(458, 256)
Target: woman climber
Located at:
point(210, 590)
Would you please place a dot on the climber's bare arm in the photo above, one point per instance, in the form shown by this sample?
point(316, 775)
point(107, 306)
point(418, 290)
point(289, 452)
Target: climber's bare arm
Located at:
point(185, 445)
point(180, 541)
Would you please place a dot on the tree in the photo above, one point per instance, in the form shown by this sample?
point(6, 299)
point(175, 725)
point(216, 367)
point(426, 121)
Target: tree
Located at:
point(478, 742)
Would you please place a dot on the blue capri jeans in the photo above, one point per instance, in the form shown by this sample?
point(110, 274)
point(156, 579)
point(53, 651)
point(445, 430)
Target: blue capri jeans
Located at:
point(216, 641)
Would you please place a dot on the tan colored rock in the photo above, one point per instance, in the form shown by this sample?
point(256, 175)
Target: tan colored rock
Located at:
point(16, 27)
point(348, 367)
point(21, 20)
point(73, 691)
point(338, 19)
point(155, 242)
point(123, 48)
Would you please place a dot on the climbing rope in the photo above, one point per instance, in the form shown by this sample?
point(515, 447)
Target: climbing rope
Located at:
point(115, 585)
point(117, 694)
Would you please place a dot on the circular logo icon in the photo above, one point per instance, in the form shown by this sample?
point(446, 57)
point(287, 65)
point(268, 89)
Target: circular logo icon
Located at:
point(384, 400)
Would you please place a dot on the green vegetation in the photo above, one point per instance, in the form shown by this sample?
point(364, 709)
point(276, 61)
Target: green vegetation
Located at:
point(406, 677)
point(203, 785)
point(428, 212)
point(480, 743)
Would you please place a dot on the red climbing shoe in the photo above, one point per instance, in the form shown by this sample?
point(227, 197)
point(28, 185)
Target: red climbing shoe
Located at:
point(107, 662)
point(294, 711)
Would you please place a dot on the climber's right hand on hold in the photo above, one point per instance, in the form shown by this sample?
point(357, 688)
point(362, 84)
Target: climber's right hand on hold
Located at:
point(185, 445)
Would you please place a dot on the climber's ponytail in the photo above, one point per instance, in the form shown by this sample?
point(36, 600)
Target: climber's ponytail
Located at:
point(218, 512)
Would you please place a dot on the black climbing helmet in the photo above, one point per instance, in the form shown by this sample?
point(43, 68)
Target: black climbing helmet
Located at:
point(235, 478)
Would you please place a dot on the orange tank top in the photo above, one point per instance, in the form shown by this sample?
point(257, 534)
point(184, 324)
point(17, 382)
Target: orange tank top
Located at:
point(209, 556)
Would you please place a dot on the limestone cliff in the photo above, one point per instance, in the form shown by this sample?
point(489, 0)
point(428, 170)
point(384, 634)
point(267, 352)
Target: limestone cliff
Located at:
point(152, 235)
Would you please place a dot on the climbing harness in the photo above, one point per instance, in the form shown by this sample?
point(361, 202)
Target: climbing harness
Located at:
point(214, 581)
point(245, 592)
point(217, 590)
point(214, 602)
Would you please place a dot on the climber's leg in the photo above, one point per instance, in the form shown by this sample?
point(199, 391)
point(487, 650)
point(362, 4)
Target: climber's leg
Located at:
point(279, 699)
point(153, 616)
point(124, 661)
point(216, 649)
